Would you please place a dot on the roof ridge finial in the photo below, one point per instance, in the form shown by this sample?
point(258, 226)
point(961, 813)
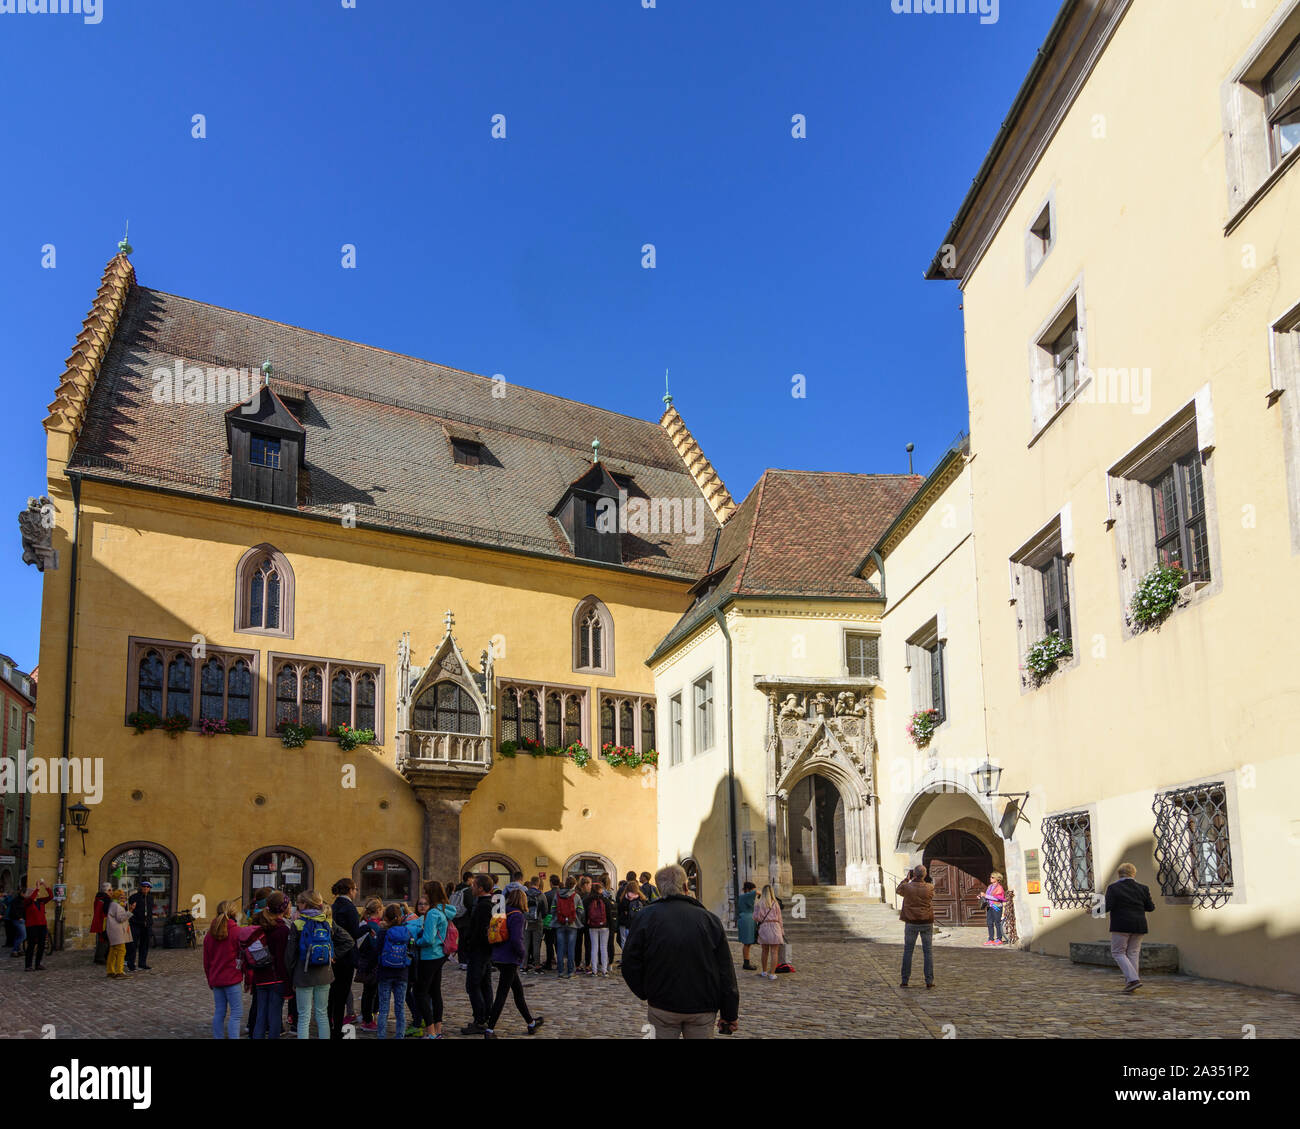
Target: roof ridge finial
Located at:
point(668, 396)
point(266, 372)
point(124, 247)
point(449, 620)
point(595, 451)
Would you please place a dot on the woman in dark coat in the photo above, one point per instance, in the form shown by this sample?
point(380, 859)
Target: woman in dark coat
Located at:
point(99, 922)
point(344, 912)
point(1128, 902)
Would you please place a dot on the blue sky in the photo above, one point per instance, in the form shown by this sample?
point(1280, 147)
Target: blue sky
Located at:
point(624, 126)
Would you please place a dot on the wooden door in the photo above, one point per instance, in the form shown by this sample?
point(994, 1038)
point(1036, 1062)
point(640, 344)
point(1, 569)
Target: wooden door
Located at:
point(960, 866)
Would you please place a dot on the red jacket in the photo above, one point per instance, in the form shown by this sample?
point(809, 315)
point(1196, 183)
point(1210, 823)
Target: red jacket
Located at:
point(276, 940)
point(219, 956)
point(36, 909)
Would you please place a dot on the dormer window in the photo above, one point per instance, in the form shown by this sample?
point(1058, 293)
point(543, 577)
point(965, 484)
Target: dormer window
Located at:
point(591, 513)
point(264, 451)
point(588, 514)
point(466, 452)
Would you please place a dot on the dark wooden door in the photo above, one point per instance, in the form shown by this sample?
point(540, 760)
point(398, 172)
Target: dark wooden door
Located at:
point(960, 866)
point(803, 833)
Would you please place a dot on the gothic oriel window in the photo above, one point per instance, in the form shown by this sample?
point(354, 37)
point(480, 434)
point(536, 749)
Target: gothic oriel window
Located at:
point(264, 592)
point(447, 707)
point(593, 638)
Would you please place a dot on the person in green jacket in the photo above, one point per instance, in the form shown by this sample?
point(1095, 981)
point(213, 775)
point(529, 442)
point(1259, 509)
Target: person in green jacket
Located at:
point(746, 930)
point(430, 934)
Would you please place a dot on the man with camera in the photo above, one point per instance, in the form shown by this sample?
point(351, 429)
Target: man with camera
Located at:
point(917, 916)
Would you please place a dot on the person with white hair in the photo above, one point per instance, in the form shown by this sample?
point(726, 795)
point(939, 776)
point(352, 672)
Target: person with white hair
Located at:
point(678, 960)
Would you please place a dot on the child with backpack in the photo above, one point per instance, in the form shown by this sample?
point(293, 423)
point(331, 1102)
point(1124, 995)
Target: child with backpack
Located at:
point(264, 956)
point(598, 915)
point(568, 920)
point(309, 957)
point(393, 970)
point(222, 963)
point(372, 921)
point(535, 927)
point(630, 903)
point(508, 952)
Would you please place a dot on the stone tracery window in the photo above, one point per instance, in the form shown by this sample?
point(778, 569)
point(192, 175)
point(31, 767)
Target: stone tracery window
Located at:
point(264, 593)
point(593, 637)
point(301, 684)
point(447, 707)
point(163, 680)
point(551, 715)
point(628, 720)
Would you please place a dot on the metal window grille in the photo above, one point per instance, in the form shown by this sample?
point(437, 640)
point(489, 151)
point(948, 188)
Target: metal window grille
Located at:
point(1193, 854)
point(1067, 859)
point(864, 656)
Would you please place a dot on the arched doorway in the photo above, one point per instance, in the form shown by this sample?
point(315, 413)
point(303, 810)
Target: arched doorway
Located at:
point(818, 853)
point(387, 875)
point(694, 879)
point(590, 863)
point(959, 866)
point(129, 864)
point(279, 868)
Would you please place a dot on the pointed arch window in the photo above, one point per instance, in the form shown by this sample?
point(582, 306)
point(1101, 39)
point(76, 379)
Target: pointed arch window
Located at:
point(447, 707)
point(593, 638)
point(264, 593)
point(167, 679)
point(325, 694)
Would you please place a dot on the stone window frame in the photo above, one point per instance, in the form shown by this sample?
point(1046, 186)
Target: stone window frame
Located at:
point(1129, 503)
point(847, 633)
point(1284, 355)
point(592, 604)
point(329, 667)
point(516, 687)
point(1055, 539)
point(243, 591)
point(137, 646)
point(676, 730)
point(1036, 251)
point(638, 701)
point(1227, 779)
point(708, 731)
point(1251, 167)
point(1044, 408)
point(918, 663)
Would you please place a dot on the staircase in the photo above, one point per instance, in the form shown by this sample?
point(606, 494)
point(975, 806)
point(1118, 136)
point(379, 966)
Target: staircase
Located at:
point(838, 913)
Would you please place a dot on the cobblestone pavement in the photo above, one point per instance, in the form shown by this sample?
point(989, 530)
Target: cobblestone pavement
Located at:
point(841, 990)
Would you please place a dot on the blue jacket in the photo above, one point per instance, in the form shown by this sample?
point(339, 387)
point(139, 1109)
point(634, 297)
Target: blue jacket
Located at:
point(431, 931)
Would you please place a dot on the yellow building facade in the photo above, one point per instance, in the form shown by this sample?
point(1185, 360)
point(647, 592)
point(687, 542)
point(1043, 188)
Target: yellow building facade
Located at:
point(184, 598)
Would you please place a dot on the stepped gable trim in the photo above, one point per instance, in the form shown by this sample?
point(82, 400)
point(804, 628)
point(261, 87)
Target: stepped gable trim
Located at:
point(697, 465)
point(72, 397)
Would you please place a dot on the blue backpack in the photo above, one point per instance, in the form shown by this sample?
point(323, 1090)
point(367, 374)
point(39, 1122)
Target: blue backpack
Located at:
point(396, 953)
point(315, 943)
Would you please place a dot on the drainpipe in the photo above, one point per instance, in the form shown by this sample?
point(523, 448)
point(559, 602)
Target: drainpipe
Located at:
point(731, 769)
point(67, 707)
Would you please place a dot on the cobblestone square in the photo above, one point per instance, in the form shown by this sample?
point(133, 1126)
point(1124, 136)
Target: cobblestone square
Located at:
point(846, 990)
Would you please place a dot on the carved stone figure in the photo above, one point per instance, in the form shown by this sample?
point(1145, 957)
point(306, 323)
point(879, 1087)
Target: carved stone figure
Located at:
point(36, 525)
point(791, 707)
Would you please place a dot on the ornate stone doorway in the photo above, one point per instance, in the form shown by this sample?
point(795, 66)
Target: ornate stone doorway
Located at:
point(821, 801)
point(817, 849)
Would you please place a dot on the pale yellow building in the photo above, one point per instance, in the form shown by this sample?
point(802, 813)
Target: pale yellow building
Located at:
point(1130, 270)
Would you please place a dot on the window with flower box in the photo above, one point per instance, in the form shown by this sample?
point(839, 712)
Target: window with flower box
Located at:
point(627, 721)
point(551, 715)
point(1042, 576)
point(197, 682)
point(325, 694)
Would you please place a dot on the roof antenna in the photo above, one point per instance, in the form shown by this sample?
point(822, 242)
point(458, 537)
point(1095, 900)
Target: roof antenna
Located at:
point(910, 448)
point(595, 451)
point(668, 396)
point(124, 247)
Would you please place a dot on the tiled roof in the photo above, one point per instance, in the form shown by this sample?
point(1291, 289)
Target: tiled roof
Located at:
point(377, 428)
point(800, 534)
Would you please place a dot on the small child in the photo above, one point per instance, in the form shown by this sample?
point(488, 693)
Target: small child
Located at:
point(368, 961)
point(394, 969)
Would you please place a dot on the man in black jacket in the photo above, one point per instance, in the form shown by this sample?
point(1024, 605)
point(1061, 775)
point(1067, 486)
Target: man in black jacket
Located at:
point(141, 906)
point(478, 956)
point(677, 959)
point(1128, 902)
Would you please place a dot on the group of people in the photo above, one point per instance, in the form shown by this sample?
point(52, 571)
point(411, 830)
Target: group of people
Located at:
point(1127, 902)
point(675, 955)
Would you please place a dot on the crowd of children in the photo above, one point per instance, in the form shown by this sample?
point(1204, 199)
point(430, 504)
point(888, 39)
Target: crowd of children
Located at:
point(309, 957)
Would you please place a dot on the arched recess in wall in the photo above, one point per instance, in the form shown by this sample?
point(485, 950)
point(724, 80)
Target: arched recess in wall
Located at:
point(128, 864)
point(264, 593)
point(694, 878)
point(281, 868)
point(495, 863)
point(387, 874)
point(593, 637)
point(595, 863)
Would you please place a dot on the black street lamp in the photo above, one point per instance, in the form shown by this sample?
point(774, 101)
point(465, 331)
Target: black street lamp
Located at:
point(80, 815)
point(987, 778)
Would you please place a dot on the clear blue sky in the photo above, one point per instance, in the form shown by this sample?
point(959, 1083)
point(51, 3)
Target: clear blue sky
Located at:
point(625, 126)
